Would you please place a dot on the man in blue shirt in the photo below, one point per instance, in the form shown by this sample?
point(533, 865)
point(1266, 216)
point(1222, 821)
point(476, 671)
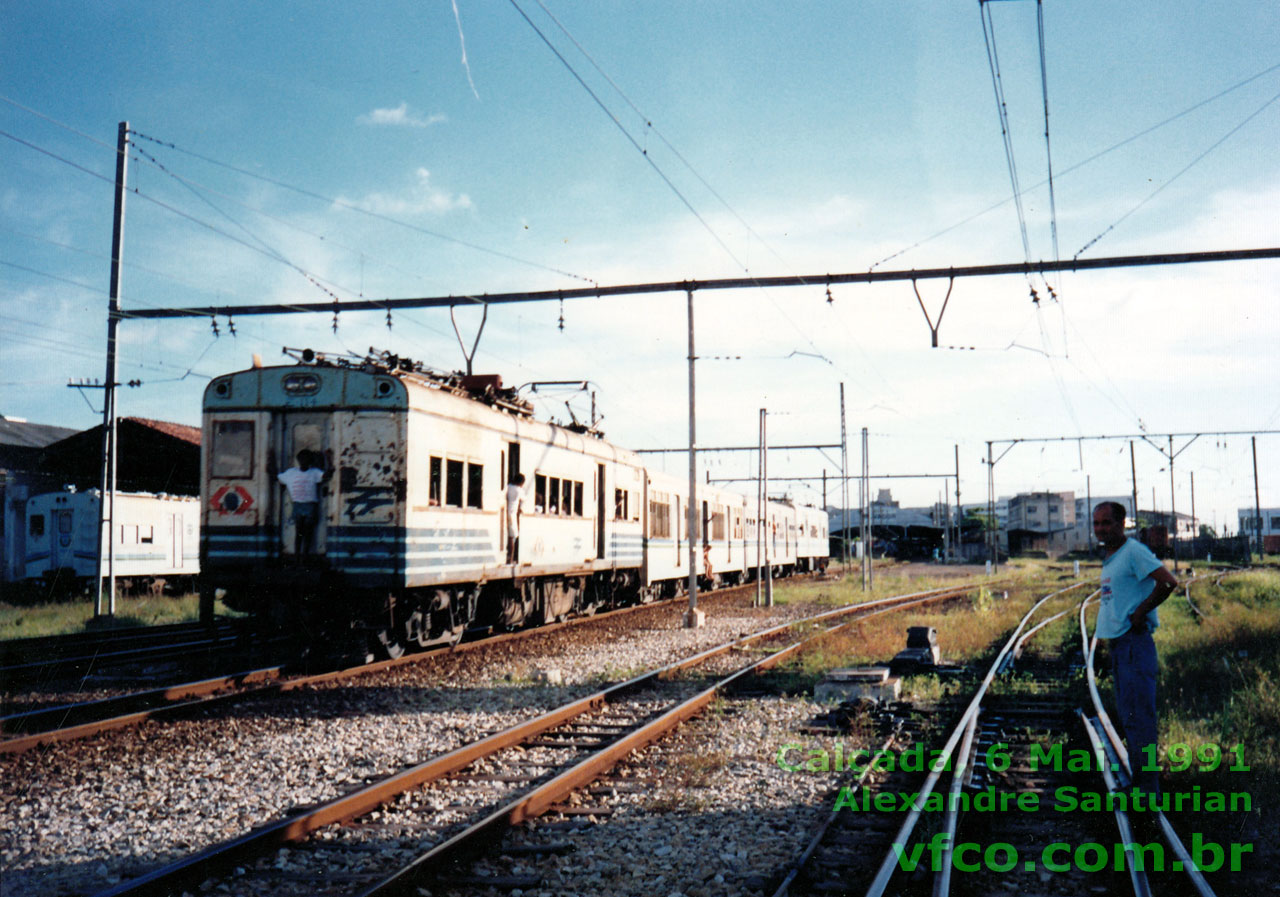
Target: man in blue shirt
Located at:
point(1134, 584)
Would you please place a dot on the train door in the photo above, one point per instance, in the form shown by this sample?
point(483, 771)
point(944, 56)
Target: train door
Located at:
point(175, 547)
point(300, 432)
point(680, 525)
point(600, 510)
point(62, 551)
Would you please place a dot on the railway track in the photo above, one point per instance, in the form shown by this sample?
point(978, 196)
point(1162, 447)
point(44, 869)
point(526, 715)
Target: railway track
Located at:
point(432, 817)
point(23, 730)
point(26, 663)
point(1022, 759)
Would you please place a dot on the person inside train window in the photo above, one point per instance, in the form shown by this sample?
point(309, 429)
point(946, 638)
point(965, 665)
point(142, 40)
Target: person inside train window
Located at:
point(303, 482)
point(515, 499)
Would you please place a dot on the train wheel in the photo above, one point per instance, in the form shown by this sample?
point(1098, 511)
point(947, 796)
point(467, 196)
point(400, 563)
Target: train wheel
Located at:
point(389, 644)
point(415, 629)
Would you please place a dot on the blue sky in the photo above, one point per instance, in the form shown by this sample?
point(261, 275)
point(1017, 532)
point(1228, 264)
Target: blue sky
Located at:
point(834, 136)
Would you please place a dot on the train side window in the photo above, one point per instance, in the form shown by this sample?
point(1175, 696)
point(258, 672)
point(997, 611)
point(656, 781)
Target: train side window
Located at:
point(553, 496)
point(475, 485)
point(453, 483)
point(232, 455)
point(146, 535)
point(660, 516)
point(539, 493)
point(566, 497)
point(619, 504)
point(37, 524)
point(577, 499)
point(433, 496)
point(717, 525)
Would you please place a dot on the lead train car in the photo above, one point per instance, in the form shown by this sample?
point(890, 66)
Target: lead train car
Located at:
point(410, 547)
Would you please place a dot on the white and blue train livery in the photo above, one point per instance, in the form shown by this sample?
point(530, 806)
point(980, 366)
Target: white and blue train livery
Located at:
point(411, 542)
point(156, 539)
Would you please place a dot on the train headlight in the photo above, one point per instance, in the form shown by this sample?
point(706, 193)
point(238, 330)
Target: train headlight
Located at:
point(301, 384)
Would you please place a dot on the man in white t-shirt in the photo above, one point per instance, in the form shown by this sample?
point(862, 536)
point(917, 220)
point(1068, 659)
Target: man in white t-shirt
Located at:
point(1134, 583)
point(303, 483)
point(515, 501)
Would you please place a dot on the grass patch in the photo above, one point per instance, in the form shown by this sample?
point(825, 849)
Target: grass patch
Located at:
point(967, 629)
point(65, 618)
point(1220, 684)
point(890, 579)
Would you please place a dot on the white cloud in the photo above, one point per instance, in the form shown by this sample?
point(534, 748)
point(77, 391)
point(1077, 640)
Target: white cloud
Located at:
point(399, 116)
point(421, 198)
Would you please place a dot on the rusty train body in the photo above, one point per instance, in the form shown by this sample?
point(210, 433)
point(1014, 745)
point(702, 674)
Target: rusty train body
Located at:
point(410, 548)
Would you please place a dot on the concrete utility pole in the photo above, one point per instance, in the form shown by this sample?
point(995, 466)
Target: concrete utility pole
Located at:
point(1195, 530)
point(1173, 512)
point(959, 543)
point(693, 618)
point(762, 500)
point(993, 535)
point(1088, 509)
point(868, 536)
point(764, 485)
point(1257, 503)
point(1133, 470)
point(844, 486)
point(107, 501)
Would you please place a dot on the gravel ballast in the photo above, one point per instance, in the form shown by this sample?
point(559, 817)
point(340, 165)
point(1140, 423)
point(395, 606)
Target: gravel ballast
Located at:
point(79, 816)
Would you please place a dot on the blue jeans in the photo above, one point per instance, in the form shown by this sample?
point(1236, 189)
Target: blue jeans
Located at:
point(1133, 667)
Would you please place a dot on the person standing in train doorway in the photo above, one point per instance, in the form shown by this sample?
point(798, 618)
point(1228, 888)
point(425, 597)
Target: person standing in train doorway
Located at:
point(1134, 584)
point(515, 504)
point(303, 482)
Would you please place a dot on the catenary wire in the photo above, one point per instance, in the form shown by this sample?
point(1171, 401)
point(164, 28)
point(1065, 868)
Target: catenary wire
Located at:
point(1085, 161)
point(656, 168)
point(1223, 139)
point(351, 207)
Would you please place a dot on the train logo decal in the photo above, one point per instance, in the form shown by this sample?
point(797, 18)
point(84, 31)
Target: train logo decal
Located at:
point(231, 500)
point(364, 500)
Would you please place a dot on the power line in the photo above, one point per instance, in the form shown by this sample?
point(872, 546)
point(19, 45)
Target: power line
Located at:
point(1085, 161)
point(1184, 170)
point(351, 207)
point(1002, 112)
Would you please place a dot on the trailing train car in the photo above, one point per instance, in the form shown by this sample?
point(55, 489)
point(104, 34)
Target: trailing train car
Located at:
point(156, 539)
point(410, 540)
point(813, 550)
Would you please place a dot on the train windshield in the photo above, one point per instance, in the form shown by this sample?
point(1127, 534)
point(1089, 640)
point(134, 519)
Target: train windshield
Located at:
point(232, 449)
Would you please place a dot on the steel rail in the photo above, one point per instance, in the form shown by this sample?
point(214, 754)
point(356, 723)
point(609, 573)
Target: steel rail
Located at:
point(206, 687)
point(886, 870)
point(123, 719)
point(1103, 750)
point(794, 870)
point(1198, 880)
point(122, 653)
point(542, 798)
point(200, 865)
point(65, 730)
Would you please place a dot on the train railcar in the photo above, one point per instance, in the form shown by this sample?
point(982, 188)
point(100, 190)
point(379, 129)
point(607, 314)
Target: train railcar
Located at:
point(412, 530)
point(155, 539)
point(410, 544)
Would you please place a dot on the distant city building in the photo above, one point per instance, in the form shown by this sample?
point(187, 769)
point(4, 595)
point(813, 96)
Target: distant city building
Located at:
point(1270, 518)
point(1041, 521)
